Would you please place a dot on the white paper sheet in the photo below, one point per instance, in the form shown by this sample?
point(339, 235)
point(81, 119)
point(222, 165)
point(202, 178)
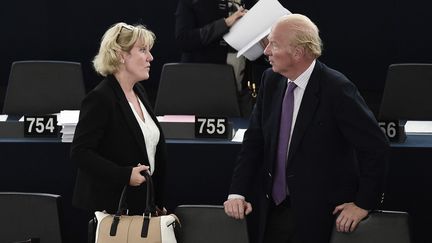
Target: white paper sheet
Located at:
point(238, 137)
point(67, 138)
point(176, 118)
point(254, 49)
point(68, 129)
point(250, 29)
point(69, 117)
point(418, 127)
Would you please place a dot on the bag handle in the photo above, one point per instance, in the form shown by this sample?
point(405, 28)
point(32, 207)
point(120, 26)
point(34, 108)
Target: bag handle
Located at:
point(150, 200)
point(149, 209)
point(150, 206)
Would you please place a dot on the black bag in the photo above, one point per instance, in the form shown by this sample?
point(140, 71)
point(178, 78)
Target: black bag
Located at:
point(378, 227)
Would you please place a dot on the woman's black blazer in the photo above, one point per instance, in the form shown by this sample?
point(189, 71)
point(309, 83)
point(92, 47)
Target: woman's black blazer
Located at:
point(108, 142)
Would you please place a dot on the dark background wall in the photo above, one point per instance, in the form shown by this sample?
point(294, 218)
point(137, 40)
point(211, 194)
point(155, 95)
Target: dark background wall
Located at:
point(361, 38)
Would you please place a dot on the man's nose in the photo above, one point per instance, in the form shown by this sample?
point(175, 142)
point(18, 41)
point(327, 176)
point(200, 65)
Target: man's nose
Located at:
point(267, 51)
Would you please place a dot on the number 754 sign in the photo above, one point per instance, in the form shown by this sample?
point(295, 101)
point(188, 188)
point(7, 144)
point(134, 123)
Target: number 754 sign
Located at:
point(40, 126)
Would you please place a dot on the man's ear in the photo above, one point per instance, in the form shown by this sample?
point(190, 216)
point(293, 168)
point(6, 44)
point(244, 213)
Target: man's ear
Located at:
point(299, 52)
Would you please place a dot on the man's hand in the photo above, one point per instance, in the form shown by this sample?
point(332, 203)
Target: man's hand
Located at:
point(237, 208)
point(349, 217)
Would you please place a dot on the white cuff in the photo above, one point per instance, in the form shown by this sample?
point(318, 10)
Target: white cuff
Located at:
point(236, 196)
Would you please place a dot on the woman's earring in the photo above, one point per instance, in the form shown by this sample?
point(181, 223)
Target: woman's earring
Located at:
point(122, 61)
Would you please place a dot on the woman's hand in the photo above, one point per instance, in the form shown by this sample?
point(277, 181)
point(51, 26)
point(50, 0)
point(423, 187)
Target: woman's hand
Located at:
point(136, 177)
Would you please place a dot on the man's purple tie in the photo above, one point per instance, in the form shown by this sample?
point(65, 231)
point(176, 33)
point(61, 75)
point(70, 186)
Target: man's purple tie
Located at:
point(279, 181)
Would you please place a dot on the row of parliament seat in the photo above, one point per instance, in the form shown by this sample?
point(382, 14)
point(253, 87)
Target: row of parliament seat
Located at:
point(36, 217)
point(45, 87)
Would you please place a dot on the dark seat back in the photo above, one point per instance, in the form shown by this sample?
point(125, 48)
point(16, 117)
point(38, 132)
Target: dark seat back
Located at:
point(197, 89)
point(30, 215)
point(43, 87)
point(209, 224)
point(407, 93)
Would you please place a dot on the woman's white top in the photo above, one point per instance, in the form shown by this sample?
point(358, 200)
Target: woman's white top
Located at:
point(150, 132)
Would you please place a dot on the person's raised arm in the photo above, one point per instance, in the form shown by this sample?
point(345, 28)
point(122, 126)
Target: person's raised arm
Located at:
point(190, 36)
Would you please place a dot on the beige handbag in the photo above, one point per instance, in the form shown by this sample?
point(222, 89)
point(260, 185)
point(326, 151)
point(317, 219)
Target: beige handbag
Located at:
point(146, 228)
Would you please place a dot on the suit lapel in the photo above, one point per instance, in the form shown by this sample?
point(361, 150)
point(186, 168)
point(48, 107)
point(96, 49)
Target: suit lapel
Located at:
point(278, 93)
point(128, 114)
point(307, 109)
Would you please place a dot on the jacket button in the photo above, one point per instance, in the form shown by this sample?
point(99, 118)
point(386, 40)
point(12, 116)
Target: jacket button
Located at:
point(267, 196)
point(269, 174)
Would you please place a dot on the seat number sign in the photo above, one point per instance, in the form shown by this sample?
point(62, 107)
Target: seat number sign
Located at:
point(390, 129)
point(211, 127)
point(40, 126)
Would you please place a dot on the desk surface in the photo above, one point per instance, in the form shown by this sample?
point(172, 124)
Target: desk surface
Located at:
point(412, 141)
point(416, 141)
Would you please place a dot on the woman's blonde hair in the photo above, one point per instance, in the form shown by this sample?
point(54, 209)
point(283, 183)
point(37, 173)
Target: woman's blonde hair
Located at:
point(119, 37)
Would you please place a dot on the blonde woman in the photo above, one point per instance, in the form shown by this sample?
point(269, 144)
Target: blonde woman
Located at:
point(118, 137)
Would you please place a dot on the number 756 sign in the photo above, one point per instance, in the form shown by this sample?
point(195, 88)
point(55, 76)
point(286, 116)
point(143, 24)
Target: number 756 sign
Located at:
point(391, 129)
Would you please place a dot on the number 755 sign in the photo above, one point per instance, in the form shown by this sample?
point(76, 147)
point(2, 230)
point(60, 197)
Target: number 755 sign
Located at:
point(211, 127)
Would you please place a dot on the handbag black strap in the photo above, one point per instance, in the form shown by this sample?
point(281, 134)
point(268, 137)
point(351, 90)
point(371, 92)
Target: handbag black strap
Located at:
point(150, 202)
point(150, 206)
point(149, 209)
